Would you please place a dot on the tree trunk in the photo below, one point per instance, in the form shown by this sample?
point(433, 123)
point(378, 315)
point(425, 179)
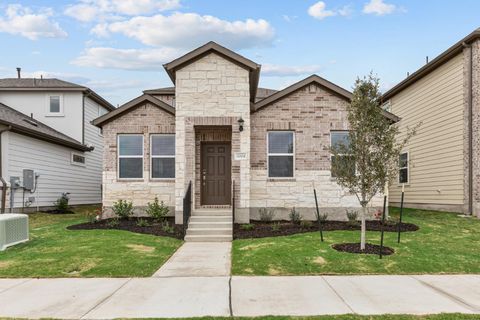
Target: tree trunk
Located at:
point(364, 227)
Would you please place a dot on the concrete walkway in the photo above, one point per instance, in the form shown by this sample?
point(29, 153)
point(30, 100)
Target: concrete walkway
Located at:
point(238, 296)
point(198, 259)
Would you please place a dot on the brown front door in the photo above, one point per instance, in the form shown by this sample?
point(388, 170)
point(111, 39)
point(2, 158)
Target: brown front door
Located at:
point(215, 173)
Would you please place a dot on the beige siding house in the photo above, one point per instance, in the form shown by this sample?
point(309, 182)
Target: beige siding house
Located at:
point(440, 163)
point(242, 148)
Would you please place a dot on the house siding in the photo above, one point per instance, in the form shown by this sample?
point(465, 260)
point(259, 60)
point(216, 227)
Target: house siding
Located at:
point(436, 169)
point(312, 113)
point(145, 119)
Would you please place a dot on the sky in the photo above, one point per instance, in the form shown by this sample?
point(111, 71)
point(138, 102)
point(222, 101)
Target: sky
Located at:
point(118, 47)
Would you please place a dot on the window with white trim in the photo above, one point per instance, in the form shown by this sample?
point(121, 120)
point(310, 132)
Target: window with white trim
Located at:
point(162, 154)
point(281, 154)
point(403, 162)
point(130, 156)
point(341, 160)
point(78, 159)
point(54, 105)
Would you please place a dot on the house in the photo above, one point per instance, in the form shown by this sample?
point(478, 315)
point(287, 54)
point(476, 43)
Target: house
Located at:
point(440, 165)
point(48, 144)
point(230, 139)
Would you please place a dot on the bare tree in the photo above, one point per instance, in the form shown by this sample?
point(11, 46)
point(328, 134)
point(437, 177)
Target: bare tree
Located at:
point(368, 160)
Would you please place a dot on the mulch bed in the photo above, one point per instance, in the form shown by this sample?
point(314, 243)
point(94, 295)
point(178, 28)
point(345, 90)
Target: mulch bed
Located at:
point(55, 211)
point(369, 248)
point(154, 227)
point(284, 228)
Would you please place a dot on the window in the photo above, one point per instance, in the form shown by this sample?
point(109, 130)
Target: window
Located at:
point(102, 111)
point(162, 150)
point(281, 154)
point(78, 159)
point(130, 156)
point(54, 105)
point(341, 139)
point(403, 168)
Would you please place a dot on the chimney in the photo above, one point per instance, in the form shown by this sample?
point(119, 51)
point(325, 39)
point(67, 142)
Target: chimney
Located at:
point(18, 72)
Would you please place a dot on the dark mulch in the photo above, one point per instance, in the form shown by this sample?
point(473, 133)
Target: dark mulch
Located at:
point(369, 248)
point(262, 229)
point(154, 227)
point(55, 211)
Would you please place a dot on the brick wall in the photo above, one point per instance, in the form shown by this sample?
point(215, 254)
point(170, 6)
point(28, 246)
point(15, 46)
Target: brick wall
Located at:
point(145, 119)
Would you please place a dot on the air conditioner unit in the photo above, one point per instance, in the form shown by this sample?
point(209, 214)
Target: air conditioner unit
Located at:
point(13, 229)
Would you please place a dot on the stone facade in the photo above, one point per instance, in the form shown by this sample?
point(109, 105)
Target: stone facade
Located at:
point(211, 91)
point(145, 119)
point(311, 113)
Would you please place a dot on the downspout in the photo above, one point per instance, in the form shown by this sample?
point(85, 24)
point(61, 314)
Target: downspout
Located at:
point(4, 183)
point(470, 128)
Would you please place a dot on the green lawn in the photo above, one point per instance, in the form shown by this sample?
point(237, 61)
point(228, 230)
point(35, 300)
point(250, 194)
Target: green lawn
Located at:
point(54, 251)
point(445, 243)
point(445, 316)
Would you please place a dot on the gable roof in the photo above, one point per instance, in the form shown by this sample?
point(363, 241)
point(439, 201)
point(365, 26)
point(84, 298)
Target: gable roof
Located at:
point(252, 67)
point(21, 123)
point(432, 65)
point(44, 84)
point(339, 91)
point(100, 121)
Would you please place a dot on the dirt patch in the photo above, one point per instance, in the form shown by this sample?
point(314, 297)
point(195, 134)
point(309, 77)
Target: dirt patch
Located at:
point(6, 264)
point(319, 260)
point(154, 227)
point(141, 248)
point(55, 211)
point(82, 267)
point(369, 248)
point(256, 246)
point(284, 228)
point(274, 272)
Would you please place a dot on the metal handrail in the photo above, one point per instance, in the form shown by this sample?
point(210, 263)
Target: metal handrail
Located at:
point(233, 202)
point(187, 207)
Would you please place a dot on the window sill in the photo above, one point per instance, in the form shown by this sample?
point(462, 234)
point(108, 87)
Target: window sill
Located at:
point(130, 180)
point(292, 179)
point(54, 115)
point(162, 179)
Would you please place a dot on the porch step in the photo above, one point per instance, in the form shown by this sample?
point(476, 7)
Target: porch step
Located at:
point(212, 212)
point(209, 231)
point(208, 238)
point(210, 224)
point(206, 219)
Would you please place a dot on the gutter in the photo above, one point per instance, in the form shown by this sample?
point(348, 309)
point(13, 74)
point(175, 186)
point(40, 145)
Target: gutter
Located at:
point(470, 129)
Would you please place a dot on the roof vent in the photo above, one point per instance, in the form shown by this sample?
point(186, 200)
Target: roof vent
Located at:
point(19, 70)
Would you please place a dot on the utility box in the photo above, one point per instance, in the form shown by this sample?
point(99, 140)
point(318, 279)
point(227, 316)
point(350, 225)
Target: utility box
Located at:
point(28, 179)
point(13, 229)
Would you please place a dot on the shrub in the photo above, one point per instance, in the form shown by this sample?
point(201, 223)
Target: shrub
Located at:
point(247, 226)
point(352, 217)
point(94, 216)
point(112, 223)
point(323, 217)
point(166, 227)
point(276, 226)
point(61, 205)
point(123, 209)
point(143, 223)
point(157, 210)
point(295, 216)
point(266, 215)
point(305, 224)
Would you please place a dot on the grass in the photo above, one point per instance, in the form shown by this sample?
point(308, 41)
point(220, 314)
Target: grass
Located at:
point(444, 316)
point(54, 251)
point(445, 243)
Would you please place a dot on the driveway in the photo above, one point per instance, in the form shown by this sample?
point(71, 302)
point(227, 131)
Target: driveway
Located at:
point(238, 296)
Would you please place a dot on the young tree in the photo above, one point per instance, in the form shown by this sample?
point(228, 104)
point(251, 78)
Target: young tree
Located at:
point(368, 160)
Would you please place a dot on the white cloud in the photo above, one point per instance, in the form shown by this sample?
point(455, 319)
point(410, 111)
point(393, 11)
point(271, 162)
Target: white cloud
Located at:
point(20, 20)
point(89, 10)
point(127, 59)
point(188, 30)
point(272, 70)
point(72, 77)
point(319, 11)
point(379, 8)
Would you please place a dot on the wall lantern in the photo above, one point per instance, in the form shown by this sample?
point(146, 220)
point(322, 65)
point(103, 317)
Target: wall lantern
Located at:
point(240, 124)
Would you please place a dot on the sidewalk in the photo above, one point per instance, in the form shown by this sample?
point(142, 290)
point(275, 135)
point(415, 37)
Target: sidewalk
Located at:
point(247, 296)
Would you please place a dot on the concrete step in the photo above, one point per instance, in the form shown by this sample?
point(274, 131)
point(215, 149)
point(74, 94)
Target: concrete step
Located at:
point(208, 238)
point(210, 225)
point(212, 212)
point(211, 219)
point(209, 231)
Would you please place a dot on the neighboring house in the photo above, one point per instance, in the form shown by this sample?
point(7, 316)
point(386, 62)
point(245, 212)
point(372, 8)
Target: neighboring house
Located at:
point(216, 128)
point(440, 166)
point(47, 128)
